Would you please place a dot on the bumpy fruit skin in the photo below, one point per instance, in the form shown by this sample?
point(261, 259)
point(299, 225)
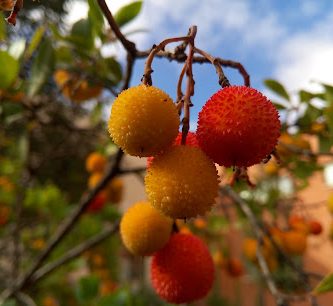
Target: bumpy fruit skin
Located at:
point(182, 182)
point(144, 230)
point(191, 140)
point(238, 126)
point(144, 121)
point(183, 271)
point(96, 162)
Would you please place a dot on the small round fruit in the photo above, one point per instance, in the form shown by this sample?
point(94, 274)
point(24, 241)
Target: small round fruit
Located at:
point(183, 271)
point(144, 121)
point(294, 242)
point(191, 140)
point(94, 179)
point(298, 223)
point(74, 88)
point(315, 227)
point(330, 203)
point(238, 126)
point(97, 203)
point(182, 182)
point(144, 230)
point(96, 162)
point(250, 249)
point(234, 267)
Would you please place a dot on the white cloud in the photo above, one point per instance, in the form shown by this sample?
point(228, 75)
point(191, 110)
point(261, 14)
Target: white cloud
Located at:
point(305, 59)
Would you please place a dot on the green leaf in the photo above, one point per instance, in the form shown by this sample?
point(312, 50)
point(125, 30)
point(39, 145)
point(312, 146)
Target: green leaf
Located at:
point(35, 41)
point(120, 297)
point(328, 92)
point(277, 87)
point(9, 303)
point(3, 32)
point(113, 70)
point(82, 34)
point(96, 17)
point(9, 69)
point(87, 288)
point(128, 13)
point(325, 285)
point(41, 67)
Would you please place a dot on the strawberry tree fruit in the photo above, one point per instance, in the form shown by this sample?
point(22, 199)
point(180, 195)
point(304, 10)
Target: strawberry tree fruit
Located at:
point(183, 271)
point(144, 230)
point(238, 126)
point(144, 121)
point(182, 182)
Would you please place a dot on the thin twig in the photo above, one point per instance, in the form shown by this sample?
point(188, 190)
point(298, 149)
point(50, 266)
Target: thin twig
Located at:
point(146, 79)
point(127, 44)
point(74, 253)
point(67, 225)
point(223, 81)
point(190, 84)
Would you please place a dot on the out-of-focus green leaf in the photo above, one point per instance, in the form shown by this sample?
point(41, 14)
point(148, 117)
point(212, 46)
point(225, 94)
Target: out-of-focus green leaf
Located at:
point(82, 34)
point(87, 288)
point(120, 297)
point(325, 285)
point(9, 69)
point(128, 13)
point(113, 70)
point(306, 96)
point(328, 92)
point(35, 41)
point(96, 17)
point(17, 48)
point(277, 87)
point(3, 33)
point(41, 67)
point(325, 143)
point(9, 303)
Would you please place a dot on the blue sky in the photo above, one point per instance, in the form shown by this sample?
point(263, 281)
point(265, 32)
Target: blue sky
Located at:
point(290, 41)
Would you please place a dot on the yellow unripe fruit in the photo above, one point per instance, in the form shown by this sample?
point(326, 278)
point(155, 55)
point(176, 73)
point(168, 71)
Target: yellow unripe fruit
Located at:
point(250, 249)
point(182, 182)
point(96, 162)
point(144, 230)
point(74, 88)
point(94, 179)
point(330, 203)
point(294, 242)
point(144, 121)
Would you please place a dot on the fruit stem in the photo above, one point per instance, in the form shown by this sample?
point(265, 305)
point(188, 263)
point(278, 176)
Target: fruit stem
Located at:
point(223, 81)
point(189, 86)
point(146, 79)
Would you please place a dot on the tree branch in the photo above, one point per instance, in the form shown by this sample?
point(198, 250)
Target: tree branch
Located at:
point(74, 253)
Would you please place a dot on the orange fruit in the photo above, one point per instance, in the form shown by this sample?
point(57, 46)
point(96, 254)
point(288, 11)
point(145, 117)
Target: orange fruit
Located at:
point(294, 242)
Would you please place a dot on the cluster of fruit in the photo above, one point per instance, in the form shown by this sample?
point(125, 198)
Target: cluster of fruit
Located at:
point(74, 87)
point(96, 164)
point(292, 241)
point(237, 127)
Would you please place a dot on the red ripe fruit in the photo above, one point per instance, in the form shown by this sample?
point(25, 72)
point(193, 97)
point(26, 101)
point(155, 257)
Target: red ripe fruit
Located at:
point(315, 227)
point(97, 203)
point(183, 271)
point(191, 140)
point(238, 126)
